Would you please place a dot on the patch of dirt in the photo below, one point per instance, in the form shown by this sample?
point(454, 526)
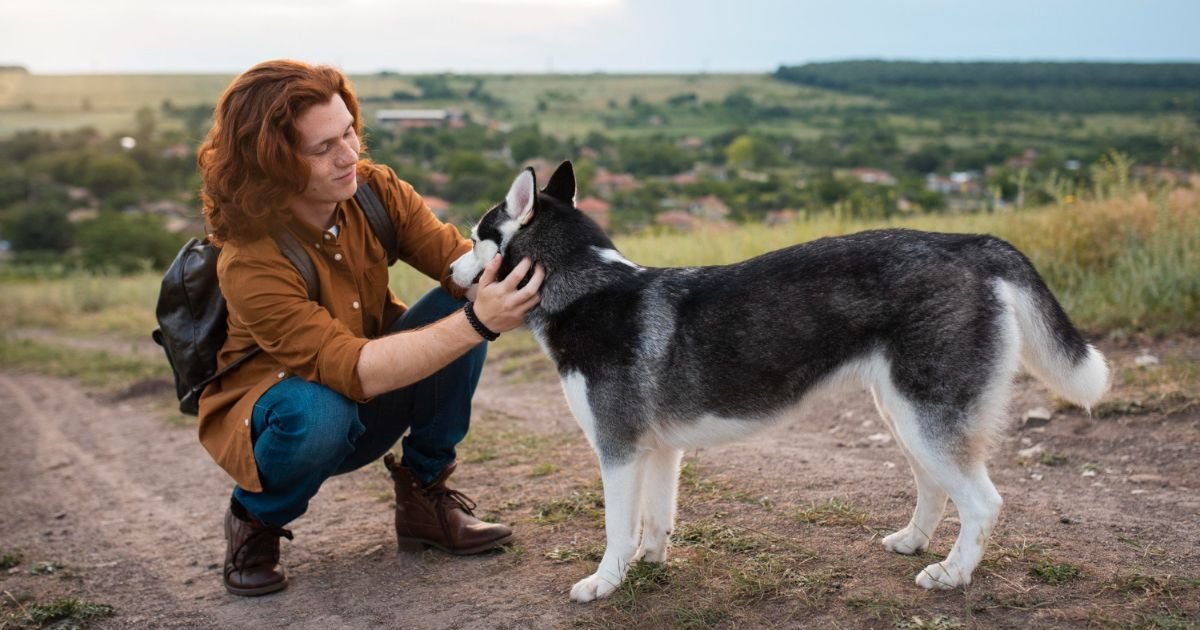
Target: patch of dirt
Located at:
point(128, 507)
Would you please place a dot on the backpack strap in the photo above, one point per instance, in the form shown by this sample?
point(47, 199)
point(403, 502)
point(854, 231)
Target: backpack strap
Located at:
point(294, 251)
point(380, 220)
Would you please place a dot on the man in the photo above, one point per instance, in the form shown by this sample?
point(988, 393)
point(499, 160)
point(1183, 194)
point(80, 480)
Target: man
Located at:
point(332, 391)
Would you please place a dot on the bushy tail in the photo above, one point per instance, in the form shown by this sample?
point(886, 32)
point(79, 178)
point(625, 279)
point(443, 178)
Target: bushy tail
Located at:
point(1052, 349)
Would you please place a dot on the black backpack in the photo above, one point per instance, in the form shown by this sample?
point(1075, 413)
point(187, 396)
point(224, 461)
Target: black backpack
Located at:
point(192, 313)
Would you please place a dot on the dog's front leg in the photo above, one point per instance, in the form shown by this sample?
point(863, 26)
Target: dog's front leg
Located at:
point(622, 496)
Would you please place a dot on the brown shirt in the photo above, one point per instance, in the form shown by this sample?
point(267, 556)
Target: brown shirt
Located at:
point(317, 341)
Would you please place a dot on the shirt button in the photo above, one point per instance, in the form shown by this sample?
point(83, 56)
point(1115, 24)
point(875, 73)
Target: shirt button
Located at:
point(317, 245)
point(328, 236)
point(337, 256)
point(281, 374)
point(355, 305)
point(247, 421)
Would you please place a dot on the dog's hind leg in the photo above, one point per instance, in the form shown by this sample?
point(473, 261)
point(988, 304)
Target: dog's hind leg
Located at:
point(660, 486)
point(957, 465)
point(931, 498)
point(622, 503)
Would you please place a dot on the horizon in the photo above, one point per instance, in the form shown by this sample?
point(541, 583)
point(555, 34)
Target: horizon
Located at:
point(72, 37)
point(380, 71)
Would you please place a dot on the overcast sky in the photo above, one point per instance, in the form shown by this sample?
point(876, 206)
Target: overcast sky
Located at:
point(66, 36)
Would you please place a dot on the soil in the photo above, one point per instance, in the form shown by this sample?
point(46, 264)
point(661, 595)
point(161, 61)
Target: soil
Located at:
point(108, 499)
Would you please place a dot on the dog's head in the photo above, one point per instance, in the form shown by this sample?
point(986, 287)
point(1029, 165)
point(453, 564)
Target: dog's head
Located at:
point(521, 206)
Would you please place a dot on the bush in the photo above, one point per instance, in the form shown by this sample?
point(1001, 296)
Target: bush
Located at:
point(40, 226)
point(126, 243)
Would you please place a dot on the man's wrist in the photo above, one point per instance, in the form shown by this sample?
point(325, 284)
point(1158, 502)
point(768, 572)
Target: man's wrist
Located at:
point(485, 332)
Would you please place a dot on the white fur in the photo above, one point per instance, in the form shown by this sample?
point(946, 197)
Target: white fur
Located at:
point(607, 254)
point(1083, 384)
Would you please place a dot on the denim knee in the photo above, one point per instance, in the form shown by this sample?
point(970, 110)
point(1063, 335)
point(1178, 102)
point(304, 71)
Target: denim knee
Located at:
point(315, 425)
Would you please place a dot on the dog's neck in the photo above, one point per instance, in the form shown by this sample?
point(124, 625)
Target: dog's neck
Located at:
point(569, 280)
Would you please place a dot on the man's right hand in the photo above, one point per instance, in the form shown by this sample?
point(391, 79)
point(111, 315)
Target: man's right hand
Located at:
point(501, 306)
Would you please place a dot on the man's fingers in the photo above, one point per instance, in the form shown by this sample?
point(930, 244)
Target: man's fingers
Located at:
point(535, 281)
point(515, 276)
point(489, 271)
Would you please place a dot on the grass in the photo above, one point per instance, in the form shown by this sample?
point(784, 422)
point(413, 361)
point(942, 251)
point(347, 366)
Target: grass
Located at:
point(63, 613)
point(1055, 573)
point(10, 559)
point(833, 511)
point(92, 367)
point(587, 503)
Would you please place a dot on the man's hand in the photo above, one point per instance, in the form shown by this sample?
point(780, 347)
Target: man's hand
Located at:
point(501, 306)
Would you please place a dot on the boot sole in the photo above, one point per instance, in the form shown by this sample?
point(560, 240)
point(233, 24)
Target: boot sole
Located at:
point(258, 590)
point(420, 544)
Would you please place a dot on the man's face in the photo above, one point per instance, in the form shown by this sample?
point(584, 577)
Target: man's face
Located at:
point(329, 143)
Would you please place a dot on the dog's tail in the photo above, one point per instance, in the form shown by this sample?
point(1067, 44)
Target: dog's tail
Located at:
point(1051, 348)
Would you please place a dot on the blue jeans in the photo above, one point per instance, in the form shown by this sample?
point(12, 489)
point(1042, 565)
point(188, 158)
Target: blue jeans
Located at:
point(304, 433)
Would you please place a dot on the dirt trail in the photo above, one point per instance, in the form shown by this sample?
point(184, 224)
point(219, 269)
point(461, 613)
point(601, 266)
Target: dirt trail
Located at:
point(131, 507)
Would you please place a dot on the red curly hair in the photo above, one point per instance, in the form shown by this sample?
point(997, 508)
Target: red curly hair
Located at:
point(249, 161)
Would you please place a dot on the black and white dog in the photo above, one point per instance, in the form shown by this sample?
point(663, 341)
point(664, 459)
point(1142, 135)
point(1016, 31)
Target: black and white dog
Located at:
point(655, 361)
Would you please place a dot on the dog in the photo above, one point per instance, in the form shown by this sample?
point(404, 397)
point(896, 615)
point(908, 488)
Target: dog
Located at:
point(657, 360)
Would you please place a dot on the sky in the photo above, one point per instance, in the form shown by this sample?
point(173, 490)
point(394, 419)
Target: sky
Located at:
point(533, 36)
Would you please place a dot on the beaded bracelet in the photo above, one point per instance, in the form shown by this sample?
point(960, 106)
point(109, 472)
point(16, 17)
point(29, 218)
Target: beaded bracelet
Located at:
point(484, 331)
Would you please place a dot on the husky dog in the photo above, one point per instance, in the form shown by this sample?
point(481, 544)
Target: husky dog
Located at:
point(655, 361)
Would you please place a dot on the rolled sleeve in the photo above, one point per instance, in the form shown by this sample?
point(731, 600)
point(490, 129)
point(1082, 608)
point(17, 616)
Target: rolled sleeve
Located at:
point(300, 334)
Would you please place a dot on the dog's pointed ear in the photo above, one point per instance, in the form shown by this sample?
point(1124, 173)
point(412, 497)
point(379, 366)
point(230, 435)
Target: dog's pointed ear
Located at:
point(522, 197)
point(562, 183)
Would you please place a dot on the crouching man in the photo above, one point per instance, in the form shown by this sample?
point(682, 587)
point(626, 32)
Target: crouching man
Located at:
point(340, 379)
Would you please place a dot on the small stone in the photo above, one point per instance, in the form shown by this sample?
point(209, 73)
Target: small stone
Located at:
point(1036, 476)
point(1145, 359)
point(1032, 451)
point(1036, 417)
point(1066, 520)
point(1148, 478)
point(889, 465)
point(1091, 472)
point(881, 438)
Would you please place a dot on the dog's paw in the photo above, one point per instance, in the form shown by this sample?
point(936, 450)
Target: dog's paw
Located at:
point(592, 587)
point(943, 576)
point(907, 541)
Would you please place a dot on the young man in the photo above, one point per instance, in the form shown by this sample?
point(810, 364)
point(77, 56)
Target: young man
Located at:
point(332, 390)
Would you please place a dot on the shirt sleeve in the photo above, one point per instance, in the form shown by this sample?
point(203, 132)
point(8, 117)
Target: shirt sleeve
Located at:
point(425, 242)
point(270, 299)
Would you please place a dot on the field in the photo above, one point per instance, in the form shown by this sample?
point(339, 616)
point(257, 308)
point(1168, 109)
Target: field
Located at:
point(112, 511)
point(574, 105)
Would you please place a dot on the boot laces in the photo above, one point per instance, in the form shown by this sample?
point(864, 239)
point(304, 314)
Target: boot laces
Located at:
point(261, 535)
point(462, 500)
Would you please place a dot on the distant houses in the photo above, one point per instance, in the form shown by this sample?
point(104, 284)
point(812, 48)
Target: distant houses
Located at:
point(418, 118)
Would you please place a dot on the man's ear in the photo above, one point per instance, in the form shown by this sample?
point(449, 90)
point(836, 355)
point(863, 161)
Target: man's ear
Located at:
point(562, 183)
point(522, 197)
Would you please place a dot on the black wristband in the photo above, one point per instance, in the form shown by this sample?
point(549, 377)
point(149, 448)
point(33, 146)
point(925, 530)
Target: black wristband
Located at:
point(484, 331)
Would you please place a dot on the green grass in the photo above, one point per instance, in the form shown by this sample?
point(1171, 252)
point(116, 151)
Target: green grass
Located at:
point(585, 503)
point(9, 559)
point(1055, 573)
point(93, 367)
point(64, 613)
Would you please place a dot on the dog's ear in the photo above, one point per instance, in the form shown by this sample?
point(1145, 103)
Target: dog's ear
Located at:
point(562, 183)
point(522, 197)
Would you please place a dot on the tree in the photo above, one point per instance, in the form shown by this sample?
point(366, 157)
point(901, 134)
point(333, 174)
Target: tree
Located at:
point(42, 226)
point(106, 174)
point(126, 243)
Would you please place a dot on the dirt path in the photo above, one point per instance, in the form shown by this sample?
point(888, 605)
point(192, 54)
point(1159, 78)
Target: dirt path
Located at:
point(128, 508)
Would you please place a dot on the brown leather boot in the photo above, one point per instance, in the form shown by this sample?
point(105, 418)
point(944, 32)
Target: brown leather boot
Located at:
point(252, 556)
point(438, 516)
